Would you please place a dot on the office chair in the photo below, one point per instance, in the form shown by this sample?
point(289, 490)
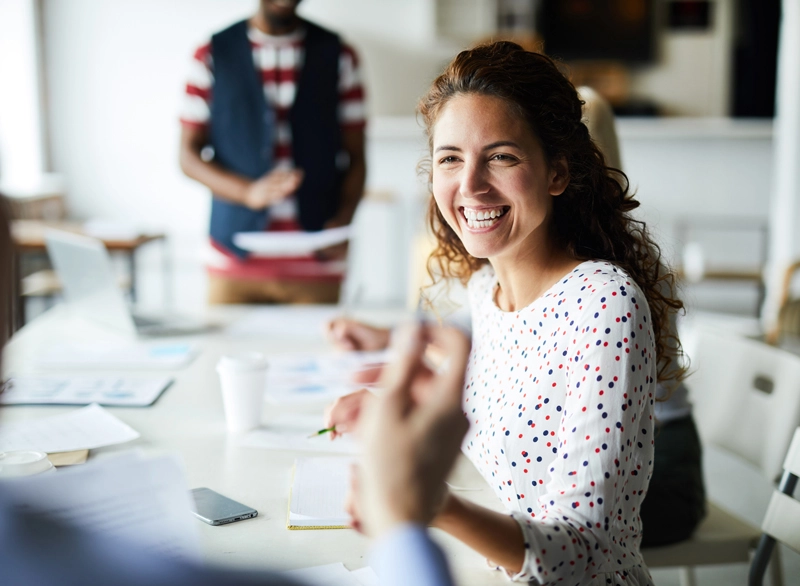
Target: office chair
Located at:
point(746, 398)
point(782, 520)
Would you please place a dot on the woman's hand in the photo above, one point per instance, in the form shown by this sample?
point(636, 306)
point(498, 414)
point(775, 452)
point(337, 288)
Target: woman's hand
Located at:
point(349, 334)
point(344, 412)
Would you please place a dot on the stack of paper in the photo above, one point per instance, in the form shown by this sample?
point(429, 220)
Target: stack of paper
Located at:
point(87, 428)
point(83, 390)
point(319, 489)
point(125, 497)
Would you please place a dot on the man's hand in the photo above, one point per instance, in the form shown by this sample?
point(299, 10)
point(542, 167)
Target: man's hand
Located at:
point(337, 251)
point(411, 442)
point(272, 188)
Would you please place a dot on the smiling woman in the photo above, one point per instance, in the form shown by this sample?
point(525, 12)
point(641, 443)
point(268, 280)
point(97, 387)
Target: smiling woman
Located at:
point(570, 313)
point(570, 309)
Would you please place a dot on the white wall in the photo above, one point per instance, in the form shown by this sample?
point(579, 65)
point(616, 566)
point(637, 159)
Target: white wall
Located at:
point(21, 145)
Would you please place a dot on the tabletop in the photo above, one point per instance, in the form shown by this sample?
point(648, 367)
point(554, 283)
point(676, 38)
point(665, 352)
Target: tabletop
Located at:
point(29, 235)
point(188, 420)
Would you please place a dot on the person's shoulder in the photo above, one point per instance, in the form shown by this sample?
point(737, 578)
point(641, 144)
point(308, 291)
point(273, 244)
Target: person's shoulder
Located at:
point(237, 28)
point(317, 31)
point(605, 281)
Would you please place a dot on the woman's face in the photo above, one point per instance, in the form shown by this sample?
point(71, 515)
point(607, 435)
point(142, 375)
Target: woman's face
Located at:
point(490, 178)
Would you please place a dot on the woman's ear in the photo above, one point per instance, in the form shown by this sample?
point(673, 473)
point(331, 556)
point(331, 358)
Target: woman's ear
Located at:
point(559, 176)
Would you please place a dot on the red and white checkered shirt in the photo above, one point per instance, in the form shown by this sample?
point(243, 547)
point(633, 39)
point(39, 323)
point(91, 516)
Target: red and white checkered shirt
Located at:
point(279, 59)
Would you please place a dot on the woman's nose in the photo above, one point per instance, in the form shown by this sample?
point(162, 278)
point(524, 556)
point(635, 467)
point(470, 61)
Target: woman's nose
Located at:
point(474, 181)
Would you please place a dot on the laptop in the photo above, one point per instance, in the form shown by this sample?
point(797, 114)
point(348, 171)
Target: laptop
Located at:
point(90, 289)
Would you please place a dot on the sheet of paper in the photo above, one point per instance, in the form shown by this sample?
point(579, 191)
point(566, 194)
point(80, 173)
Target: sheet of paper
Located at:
point(118, 355)
point(322, 366)
point(291, 431)
point(319, 490)
point(308, 378)
point(83, 390)
point(305, 393)
point(86, 428)
point(290, 322)
point(327, 575)
point(290, 243)
point(142, 500)
point(366, 576)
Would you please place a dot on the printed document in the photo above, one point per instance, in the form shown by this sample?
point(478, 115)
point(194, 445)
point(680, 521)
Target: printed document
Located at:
point(118, 355)
point(291, 431)
point(82, 390)
point(128, 497)
point(82, 429)
point(290, 243)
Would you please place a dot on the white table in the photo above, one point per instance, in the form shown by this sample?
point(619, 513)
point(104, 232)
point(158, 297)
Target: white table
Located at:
point(188, 420)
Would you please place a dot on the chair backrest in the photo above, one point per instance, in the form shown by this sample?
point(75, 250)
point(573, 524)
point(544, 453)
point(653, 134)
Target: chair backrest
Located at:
point(782, 520)
point(746, 397)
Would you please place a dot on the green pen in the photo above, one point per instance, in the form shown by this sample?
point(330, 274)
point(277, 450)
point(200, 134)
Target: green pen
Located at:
point(323, 431)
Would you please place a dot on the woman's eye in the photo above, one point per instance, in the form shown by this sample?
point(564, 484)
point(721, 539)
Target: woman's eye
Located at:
point(502, 157)
point(447, 160)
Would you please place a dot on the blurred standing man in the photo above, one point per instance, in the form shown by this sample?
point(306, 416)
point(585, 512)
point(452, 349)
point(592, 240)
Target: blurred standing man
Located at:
point(280, 101)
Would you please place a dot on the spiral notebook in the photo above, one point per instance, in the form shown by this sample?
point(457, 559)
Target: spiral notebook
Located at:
point(318, 493)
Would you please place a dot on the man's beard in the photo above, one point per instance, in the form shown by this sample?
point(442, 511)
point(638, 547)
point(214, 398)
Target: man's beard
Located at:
point(277, 22)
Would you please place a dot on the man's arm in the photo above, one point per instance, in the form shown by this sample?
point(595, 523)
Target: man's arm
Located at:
point(353, 181)
point(221, 182)
point(255, 194)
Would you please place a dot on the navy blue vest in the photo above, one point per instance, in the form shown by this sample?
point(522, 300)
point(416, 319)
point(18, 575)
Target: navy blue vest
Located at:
point(243, 126)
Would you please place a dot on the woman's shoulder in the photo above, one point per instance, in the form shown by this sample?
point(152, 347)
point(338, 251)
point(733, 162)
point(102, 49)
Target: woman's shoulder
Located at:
point(594, 277)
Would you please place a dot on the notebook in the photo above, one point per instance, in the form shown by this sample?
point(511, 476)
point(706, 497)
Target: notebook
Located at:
point(318, 493)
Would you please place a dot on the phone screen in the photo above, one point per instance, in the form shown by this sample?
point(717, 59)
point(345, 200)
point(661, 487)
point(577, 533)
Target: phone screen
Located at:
point(215, 509)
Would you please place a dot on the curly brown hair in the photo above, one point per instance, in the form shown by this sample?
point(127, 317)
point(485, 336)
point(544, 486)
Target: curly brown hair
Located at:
point(592, 217)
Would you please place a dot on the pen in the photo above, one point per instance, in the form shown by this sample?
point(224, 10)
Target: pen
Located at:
point(323, 431)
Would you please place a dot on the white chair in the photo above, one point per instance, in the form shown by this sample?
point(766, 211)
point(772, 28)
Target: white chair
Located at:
point(746, 398)
point(782, 520)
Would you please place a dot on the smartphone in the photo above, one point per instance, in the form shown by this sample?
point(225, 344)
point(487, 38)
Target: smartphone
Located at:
point(215, 509)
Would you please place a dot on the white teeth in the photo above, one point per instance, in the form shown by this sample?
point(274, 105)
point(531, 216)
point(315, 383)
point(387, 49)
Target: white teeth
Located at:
point(482, 219)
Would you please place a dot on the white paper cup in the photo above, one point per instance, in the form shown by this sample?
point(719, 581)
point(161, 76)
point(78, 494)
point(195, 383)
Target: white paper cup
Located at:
point(24, 463)
point(243, 378)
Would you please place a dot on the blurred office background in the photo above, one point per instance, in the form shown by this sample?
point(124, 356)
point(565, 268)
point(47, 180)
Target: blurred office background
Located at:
point(91, 91)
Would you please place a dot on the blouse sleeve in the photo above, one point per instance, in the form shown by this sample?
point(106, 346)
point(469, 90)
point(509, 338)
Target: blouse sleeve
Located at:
point(599, 473)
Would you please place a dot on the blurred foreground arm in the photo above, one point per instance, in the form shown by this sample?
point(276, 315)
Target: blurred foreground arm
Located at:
point(410, 448)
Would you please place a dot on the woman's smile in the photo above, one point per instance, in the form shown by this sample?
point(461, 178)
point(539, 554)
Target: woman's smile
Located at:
point(483, 219)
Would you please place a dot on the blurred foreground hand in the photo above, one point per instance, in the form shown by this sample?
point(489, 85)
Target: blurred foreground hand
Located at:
point(411, 443)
